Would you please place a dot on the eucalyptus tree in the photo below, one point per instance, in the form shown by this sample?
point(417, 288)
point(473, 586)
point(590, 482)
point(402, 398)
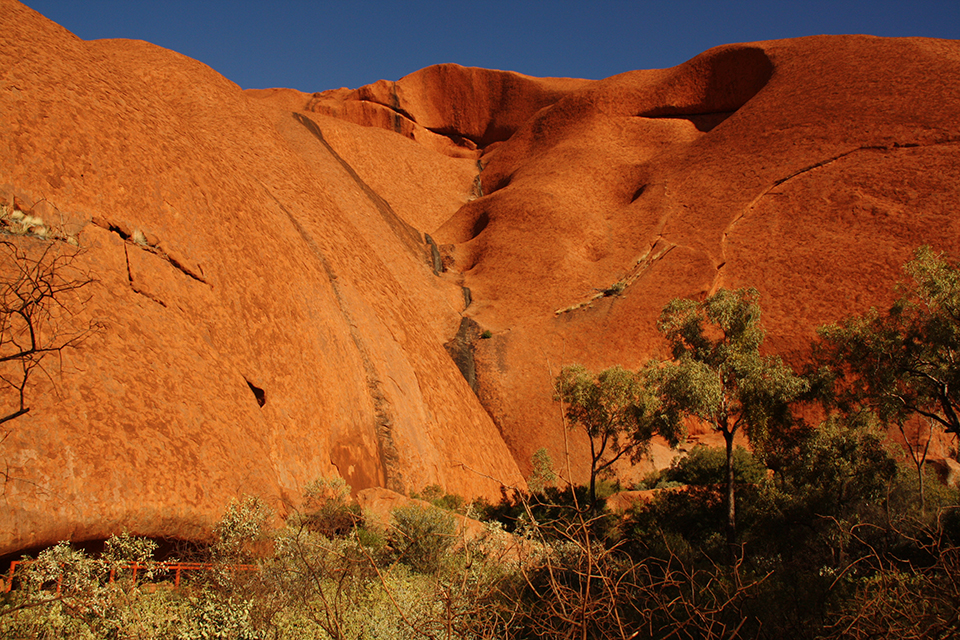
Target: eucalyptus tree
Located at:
point(905, 362)
point(614, 408)
point(718, 376)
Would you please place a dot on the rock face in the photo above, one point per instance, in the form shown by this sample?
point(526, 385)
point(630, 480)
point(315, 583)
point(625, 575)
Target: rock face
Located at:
point(278, 273)
point(244, 253)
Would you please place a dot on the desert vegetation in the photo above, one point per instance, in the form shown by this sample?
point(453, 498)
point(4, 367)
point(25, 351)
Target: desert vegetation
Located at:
point(826, 527)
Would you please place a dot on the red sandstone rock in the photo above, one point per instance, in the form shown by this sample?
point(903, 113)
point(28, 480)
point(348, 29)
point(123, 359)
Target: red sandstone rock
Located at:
point(267, 261)
point(265, 240)
point(449, 108)
point(807, 168)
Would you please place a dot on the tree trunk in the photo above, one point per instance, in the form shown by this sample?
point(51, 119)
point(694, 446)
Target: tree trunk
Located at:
point(923, 498)
point(593, 489)
point(731, 504)
point(594, 461)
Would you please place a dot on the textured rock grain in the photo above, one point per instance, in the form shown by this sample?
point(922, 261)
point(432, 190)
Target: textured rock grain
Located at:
point(271, 262)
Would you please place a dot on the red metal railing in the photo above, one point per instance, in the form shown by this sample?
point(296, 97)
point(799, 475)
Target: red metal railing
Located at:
point(177, 568)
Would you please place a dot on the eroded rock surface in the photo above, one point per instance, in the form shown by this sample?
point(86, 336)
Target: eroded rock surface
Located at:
point(245, 254)
point(273, 310)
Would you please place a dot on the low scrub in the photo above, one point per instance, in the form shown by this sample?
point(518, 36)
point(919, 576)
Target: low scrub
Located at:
point(855, 559)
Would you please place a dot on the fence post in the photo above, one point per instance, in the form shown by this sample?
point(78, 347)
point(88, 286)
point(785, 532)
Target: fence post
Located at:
point(13, 567)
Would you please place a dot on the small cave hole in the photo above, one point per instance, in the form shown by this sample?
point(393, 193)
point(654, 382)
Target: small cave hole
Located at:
point(638, 193)
point(120, 232)
point(480, 224)
point(258, 393)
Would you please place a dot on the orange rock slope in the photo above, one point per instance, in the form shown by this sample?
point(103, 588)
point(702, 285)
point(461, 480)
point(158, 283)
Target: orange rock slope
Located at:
point(338, 257)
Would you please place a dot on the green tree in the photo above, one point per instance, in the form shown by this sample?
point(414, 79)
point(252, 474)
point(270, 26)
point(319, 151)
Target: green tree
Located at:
point(718, 376)
point(615, 408)
point(840, 465)
point(543, 474)
point(241, 529)
point(707, 466)
point(906, 361)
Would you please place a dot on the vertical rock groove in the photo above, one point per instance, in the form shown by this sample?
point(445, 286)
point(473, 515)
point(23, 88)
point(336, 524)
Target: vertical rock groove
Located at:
point(409, 235)
point(387, 450)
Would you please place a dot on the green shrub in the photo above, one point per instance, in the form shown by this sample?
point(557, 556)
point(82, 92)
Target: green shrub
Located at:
point(548, 513)
point(429, 493)
point(333, 520)
point(89, 604)
point(707, 465)
point(241, 529)
point(210, 616)
point(421, 536)
point(372, 539)
point(680, 521)
point(327, 509)
point(839, 468)
point(543, 474)
point(435, 495)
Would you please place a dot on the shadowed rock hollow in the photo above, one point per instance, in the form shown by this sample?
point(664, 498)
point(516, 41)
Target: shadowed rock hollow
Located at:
point(293, 285)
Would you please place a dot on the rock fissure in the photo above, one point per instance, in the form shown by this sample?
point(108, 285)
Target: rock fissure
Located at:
point(393, 106)
point(407, 233)
point(383, 419)
point(131, 239)
point(819, 165)
point(126, 257)
point(435, 259)
point(149, 296)
point(461, 350)
point(873, 147)
point(177, 265)
point(641, 266)
point(133, 285)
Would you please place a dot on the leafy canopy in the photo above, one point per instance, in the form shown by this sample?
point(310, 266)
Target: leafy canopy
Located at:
point(905, 361)
point(615, 408)
point(612, 406)
point(718, 374)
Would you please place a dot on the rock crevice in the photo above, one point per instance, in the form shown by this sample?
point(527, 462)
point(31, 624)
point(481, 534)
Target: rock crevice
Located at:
point(137, 239)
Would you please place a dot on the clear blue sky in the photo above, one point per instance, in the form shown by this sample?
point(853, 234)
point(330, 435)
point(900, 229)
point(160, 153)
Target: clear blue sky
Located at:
point(317, 45)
